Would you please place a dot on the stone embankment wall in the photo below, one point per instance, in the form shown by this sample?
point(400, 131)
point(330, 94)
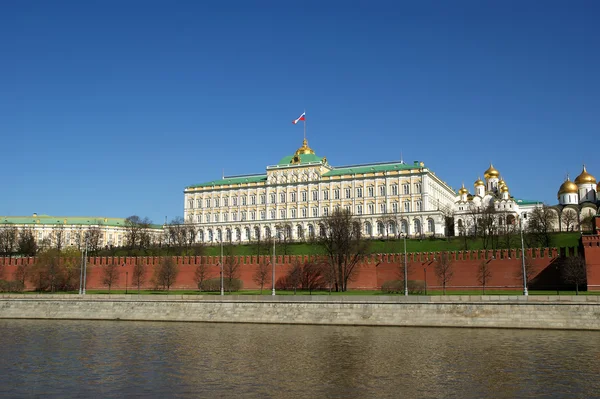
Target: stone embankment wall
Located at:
point(537, 312)
point(505, 266)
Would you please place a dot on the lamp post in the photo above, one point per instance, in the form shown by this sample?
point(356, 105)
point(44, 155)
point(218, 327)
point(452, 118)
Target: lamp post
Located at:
point(81, 274)
point(126, 276)
point(425, 273)
point(85, 265)
point(523, 259)
point(222, 290)
point(405, 269)
point(273, 277)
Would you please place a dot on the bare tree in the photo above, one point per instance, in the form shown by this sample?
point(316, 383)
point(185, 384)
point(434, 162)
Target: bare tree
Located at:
point(21, 273)
point(448, 221)
point(138, 274)
point(136, 232)
point(294, 277)
point(26, 243)
point(93, 236)
point(110, 275)
point(530, 271)
point(47, 273)
point(262, 275)
point(231, 270)
point(542, 222)
point(574, 272)
point(488, 226)
point(443, 269)
point(344, 245)
point(8, 239)
point(484, 273)
point(201, 274)
point(165, 273)
point(58, 237)
point(313, 275)
point(569, 219)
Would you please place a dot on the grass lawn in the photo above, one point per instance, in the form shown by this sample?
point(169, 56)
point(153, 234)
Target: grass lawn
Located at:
point(301, 292)
point(393, 246)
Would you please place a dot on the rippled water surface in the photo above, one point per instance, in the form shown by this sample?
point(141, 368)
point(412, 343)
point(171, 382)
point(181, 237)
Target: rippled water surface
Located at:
point(128, 359)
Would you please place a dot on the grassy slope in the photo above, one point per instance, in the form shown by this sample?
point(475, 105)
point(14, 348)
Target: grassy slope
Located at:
point(393, 246)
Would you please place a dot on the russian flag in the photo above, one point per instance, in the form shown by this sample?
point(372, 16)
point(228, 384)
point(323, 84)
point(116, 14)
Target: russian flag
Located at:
point(301, 118)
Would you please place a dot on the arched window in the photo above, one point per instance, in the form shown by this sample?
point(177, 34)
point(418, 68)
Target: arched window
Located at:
point(238, 235)
point(201, 236)
point(219, 235)
point(430, 226)
point(299, 232)
point(322, 230)
point(228, 235)
point(368, 229)
point(392, 228)
point(288, 232)
point(257, 233)
point(247, 232)
point(417, 224)
point(210, 236)
point(311, 231)
point(404, 227)
point(380, 229)
point(268, 232)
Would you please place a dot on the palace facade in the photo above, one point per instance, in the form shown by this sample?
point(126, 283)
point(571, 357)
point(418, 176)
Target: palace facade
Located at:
point(64, 231)
point(292, 196)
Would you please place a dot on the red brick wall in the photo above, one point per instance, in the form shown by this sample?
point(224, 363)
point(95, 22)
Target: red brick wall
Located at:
point(377, 269)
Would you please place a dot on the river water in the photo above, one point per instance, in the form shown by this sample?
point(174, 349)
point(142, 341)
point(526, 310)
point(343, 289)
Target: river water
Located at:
point(146, 359)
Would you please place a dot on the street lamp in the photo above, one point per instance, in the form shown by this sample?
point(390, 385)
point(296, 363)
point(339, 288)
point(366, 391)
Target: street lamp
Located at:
point(126, 277)
point(273, 278)
point(85, 264)
point(523, 258)
point(425, 273)
point(405, 269)
point(222, 291)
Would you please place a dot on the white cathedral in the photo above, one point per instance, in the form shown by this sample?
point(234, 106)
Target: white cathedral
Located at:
point(508, 210)
point(578, 202)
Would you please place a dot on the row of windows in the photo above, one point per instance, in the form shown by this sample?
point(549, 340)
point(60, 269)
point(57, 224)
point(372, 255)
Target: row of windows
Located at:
point(255, 233)
point(252, 215)
point(337, 193)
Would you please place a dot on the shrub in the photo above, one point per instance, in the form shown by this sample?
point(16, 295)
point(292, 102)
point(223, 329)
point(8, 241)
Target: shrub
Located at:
point(415, 287)
point(11, 286)
point(214, 285)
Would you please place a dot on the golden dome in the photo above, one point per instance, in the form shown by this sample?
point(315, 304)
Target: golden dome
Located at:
point(504, 188)
point(491, 172)
point(479, 182)
point(568, 187)
point(463, 190)
point(585, 178)
point(305, 149)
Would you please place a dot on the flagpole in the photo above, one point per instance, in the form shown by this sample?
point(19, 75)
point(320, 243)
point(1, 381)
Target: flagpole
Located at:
point(305, 125)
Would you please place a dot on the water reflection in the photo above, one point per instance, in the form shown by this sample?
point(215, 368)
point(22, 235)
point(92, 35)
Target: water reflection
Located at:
point(75, 358)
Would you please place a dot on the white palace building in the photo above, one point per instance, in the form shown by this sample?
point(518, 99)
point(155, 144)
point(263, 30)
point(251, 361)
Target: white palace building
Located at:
point(293, 195)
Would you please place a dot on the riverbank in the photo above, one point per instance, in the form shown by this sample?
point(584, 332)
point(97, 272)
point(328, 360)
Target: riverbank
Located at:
point(492, 311)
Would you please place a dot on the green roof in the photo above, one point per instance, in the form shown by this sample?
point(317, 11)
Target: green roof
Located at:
point(304, 158)
point(71, 220)
point(233, 180)
point(526, 202)
point(372, 168)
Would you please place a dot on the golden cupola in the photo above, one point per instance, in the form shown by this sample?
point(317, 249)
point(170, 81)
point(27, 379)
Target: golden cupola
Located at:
point(568, 187)
point(305, 149)
point(479, 182)
point(585, 178)
point(501, 183)
point(463, 190)
point(491, 172)
point(504, 188)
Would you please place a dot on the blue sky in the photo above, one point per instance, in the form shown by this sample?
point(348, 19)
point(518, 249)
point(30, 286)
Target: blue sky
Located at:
point(111, 108)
